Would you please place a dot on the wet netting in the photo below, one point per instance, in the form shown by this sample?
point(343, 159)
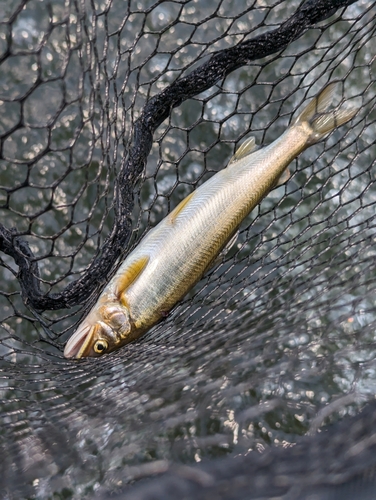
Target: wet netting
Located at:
point(261, 382)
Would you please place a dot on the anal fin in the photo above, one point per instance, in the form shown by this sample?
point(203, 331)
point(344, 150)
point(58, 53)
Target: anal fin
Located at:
point(284, 177)
point(231, 242)
point(286, 174)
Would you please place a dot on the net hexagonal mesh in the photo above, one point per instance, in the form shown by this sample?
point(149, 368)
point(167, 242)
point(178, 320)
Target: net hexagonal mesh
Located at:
point(260, 383)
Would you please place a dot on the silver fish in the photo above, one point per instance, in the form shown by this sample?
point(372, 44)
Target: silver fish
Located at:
point(175, 254)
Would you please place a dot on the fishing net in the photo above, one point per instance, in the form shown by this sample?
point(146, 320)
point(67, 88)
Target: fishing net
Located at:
point(260, 383)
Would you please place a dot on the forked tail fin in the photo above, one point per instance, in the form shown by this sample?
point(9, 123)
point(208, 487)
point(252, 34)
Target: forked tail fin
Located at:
point(319, 119)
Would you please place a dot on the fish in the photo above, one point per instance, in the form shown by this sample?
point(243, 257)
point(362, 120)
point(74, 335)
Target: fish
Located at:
point(174, 255)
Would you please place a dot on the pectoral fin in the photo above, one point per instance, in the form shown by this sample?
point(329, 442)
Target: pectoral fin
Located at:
point(130, 274)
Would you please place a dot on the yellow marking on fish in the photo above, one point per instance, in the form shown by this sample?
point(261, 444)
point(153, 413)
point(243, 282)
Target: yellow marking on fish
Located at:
point(123, 300)
point(174, 214)
point(129, 276)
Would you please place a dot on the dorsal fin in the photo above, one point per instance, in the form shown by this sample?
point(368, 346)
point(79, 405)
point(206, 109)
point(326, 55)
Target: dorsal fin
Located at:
point(130, 274)
point(245, 148)
point(173, 215)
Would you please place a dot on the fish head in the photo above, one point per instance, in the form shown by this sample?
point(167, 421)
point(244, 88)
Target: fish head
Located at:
point(102, 332)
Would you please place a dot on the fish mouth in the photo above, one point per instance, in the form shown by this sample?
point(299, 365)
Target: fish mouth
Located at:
point(79, 342)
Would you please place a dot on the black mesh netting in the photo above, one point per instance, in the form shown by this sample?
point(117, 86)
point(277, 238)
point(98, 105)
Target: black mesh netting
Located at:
point(260, 383)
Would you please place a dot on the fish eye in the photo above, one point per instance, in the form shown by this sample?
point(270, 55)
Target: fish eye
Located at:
point(100, 346)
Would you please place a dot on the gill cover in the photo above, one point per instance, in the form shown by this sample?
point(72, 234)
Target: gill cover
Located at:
point(98, 334)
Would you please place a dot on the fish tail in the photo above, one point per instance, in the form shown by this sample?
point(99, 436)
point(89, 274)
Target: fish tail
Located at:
point(319, 119)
